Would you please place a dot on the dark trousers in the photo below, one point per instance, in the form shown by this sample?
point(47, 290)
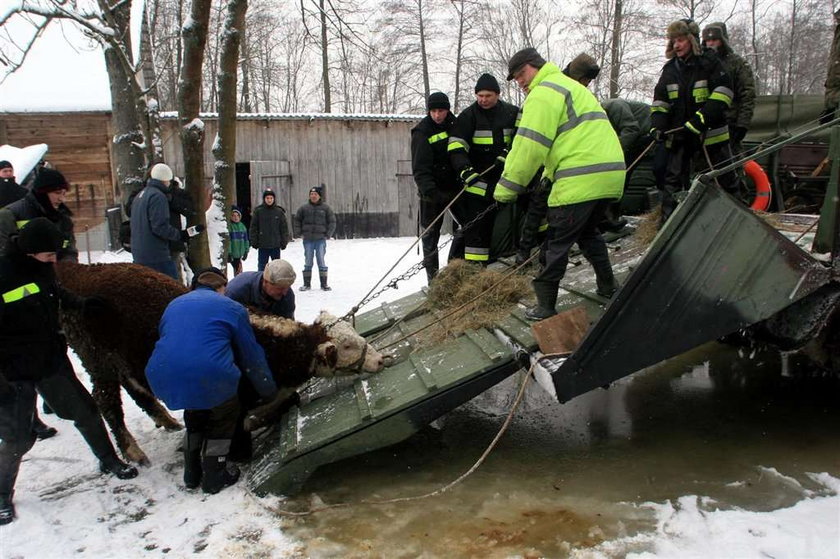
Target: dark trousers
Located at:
point(679, 168)
point(68, 398)
point(431, 207)
point(477, 234)
point(218, 422)
point(266, 254)
point(534, 217)
point(567, 225)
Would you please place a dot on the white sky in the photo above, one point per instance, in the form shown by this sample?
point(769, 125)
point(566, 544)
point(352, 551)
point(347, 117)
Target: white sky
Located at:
point(64, 71)
point(66, 508)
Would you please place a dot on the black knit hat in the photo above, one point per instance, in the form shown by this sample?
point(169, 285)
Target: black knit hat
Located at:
point(523, 57)
point(5, 165)
point(39, 235)
point(49, 180)
point(319, 190)
point(268, 192)
point(438, 100)
point(487, 83)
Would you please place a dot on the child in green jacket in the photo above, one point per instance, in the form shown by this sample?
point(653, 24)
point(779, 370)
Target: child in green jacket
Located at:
point(239, 243)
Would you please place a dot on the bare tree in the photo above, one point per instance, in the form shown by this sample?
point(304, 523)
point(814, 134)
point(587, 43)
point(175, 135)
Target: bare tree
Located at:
point(224, 148)
point(194, 35)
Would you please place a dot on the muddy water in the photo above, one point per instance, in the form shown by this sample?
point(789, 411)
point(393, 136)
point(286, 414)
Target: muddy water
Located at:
point(564, 478)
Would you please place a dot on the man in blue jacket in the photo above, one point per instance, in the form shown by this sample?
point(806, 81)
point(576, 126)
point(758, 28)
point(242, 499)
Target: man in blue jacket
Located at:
point(206, 344)
point(151, 228)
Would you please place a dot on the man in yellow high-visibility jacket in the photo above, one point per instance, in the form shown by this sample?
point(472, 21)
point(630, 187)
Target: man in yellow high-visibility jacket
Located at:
point(563, 128)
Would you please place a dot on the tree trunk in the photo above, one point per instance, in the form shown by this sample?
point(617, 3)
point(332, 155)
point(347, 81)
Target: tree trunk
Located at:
point(325, 59)
point(424, 59)
point(194, 35)
point(615, 48)
point(129, 157)
point(224, 148)
point(458, 52)
point(245, 63)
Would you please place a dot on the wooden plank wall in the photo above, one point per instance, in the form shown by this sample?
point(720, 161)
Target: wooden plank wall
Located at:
point(357, 160)
point(79, 147)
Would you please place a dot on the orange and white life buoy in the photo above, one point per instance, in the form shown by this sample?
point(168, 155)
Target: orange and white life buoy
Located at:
point(763, 192)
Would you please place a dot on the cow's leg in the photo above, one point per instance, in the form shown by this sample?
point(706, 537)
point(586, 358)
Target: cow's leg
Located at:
point(149, 404)
point(106, 393)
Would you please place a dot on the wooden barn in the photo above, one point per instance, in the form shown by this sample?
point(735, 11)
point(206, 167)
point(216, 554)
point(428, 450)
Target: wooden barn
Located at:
point(79, 146)
point(364, 162)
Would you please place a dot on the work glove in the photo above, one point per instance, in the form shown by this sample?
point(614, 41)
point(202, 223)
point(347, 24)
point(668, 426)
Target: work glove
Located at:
point(95, 306)
point(657, 135)
point(469, 176)
point(696, 125)
point(500, 159)
point(737, 133)
point(827, 115)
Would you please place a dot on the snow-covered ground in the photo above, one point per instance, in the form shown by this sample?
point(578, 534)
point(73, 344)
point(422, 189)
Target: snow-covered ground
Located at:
point(66, 508)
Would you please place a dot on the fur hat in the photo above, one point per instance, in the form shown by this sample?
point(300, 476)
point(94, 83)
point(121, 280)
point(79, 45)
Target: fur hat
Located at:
point(683, 28)
point(5, 164)
point(49, 180)
point(279, 273)
point(486, 82)
point(581, 67)
point(438, 100)
point(269, 192)
point(716, 30)
point(161, 172)
point(211, 277)
point(39, 235)
point(521, 58)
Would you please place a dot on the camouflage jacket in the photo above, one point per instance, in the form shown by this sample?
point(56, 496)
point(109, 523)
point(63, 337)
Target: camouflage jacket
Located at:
point(743, 84)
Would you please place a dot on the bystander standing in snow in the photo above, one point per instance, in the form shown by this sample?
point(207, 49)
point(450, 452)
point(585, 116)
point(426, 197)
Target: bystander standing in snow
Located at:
point(238, 241)
point(269, 230)
point(315, 222)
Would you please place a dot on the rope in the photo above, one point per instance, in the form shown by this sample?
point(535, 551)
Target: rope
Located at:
point(517, 401)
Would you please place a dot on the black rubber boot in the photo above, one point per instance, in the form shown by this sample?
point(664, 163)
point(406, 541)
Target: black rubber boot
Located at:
point(42, 430)
point(546, 301)
point(324, 286)
point(217, 473)
point(7, 508)
point(606, 286)
point(192, 459)
point(307, 281)
point(115, 466)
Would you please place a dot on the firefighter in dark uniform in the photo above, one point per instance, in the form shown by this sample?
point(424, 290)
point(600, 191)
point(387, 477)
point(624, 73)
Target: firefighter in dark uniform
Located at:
point(437, 183)
point(693, 94)
point(480, 139)
point(33, 357)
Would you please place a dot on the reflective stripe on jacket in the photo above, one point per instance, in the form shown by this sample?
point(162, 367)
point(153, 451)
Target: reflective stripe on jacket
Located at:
point(564, 128)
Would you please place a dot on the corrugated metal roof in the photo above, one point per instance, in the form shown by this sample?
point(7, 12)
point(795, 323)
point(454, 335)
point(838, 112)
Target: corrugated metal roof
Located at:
point(171, 115)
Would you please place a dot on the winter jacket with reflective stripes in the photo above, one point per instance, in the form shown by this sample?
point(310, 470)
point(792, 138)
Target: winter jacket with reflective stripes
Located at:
point(478, 137)
point(564, 128)
point(30, 331)
point(695, 93)
point(19, 213)
point(430, 162)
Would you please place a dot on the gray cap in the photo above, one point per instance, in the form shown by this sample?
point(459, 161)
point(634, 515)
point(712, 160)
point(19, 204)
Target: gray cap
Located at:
point(279, 273)
point(521, 58)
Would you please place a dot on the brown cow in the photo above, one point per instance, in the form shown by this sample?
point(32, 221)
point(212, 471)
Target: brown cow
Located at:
point(115, 347)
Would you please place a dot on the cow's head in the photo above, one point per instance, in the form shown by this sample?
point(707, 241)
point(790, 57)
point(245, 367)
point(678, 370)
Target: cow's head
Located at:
point(355, 355)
